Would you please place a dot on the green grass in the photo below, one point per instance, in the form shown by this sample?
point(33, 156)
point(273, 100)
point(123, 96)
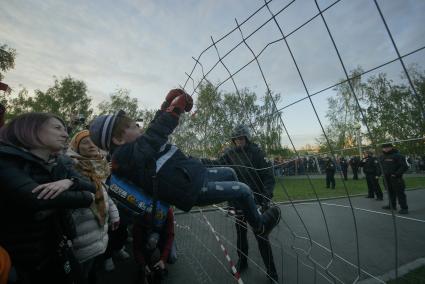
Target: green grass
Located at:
point(300, 188)
point(416, 276)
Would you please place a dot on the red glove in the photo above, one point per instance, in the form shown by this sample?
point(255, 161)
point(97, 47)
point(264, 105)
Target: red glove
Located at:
point(172, 94)
point(180, 104)
point(189, 103)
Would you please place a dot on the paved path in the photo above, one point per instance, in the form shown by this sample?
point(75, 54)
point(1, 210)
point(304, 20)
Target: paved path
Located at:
point(333, 244)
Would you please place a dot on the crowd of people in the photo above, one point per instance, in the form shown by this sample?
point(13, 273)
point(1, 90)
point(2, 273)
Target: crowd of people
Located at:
point(316, 164)
point(391, 165)
point(65, 207)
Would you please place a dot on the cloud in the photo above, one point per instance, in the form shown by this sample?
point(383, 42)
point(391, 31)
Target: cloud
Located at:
point(147, 46)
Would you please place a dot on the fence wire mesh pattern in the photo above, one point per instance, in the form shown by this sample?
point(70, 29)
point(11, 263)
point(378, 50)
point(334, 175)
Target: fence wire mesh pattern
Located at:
point(318, 241)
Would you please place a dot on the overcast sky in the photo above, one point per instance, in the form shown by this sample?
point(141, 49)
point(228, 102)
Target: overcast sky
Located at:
point(147, 46)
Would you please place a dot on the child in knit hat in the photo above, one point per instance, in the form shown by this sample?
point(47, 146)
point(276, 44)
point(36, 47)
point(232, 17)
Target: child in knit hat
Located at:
point(92, 223)
point(164, 171)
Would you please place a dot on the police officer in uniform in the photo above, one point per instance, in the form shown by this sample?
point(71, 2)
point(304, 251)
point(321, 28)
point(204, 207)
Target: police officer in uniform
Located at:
point(372, 171)
point(344, 167)
point(252, 168)
point(354, 163)
point(394, 166)
point(330, 173)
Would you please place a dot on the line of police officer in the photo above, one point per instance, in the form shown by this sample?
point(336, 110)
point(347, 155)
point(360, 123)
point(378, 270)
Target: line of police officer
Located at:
point(393, 167)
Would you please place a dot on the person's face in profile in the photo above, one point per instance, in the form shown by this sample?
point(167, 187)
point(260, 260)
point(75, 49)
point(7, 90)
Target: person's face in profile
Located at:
point(53, 135)
point(87, 148)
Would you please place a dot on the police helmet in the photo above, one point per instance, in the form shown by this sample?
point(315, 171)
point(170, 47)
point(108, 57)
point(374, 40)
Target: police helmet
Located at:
point(240, 131)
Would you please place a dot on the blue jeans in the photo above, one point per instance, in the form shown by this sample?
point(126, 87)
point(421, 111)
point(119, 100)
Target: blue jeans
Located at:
point(221, 184)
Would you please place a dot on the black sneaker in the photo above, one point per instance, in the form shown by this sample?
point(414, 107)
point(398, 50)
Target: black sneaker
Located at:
point(242, 265)
point(379, 199)
point(270, 219)
point(403, 211)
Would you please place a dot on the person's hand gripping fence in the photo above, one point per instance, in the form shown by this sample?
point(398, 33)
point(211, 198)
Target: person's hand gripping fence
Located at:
point(177, 101)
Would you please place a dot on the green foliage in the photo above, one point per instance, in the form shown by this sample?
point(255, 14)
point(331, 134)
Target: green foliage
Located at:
point(202, 134)
point(67, 98)
point(241, 107)
point(269, 126)
point(121, 100)
point(7, 59)
point(21, 103)
point(392, 112)
point(283, 152)
point(344, 114)
point(207, 132)
point(146, 117)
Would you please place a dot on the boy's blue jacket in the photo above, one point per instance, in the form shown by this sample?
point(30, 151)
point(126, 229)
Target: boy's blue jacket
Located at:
point(180, 179)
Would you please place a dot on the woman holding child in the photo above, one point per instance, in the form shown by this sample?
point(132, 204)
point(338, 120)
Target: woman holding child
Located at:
point(36, 193)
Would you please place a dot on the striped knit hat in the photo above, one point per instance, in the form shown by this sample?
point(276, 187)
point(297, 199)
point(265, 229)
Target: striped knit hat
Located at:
point(101, 130)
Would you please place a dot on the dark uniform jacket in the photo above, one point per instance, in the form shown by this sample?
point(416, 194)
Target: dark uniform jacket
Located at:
point(251, 167)
point(343, 163)
point(394, 163)
point(180, 179)
point(370, 166)
point(30, 226)
point(354, 162)
point(330, 167)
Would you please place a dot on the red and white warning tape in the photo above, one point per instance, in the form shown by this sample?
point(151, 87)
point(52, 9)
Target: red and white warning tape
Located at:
point(232, 265)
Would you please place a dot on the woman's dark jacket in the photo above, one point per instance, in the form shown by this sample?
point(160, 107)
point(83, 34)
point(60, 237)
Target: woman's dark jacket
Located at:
point(180, 179)
point(30, 226)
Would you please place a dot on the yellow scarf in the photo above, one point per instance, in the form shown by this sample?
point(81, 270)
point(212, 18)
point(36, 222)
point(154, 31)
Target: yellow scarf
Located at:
point(97, 170)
